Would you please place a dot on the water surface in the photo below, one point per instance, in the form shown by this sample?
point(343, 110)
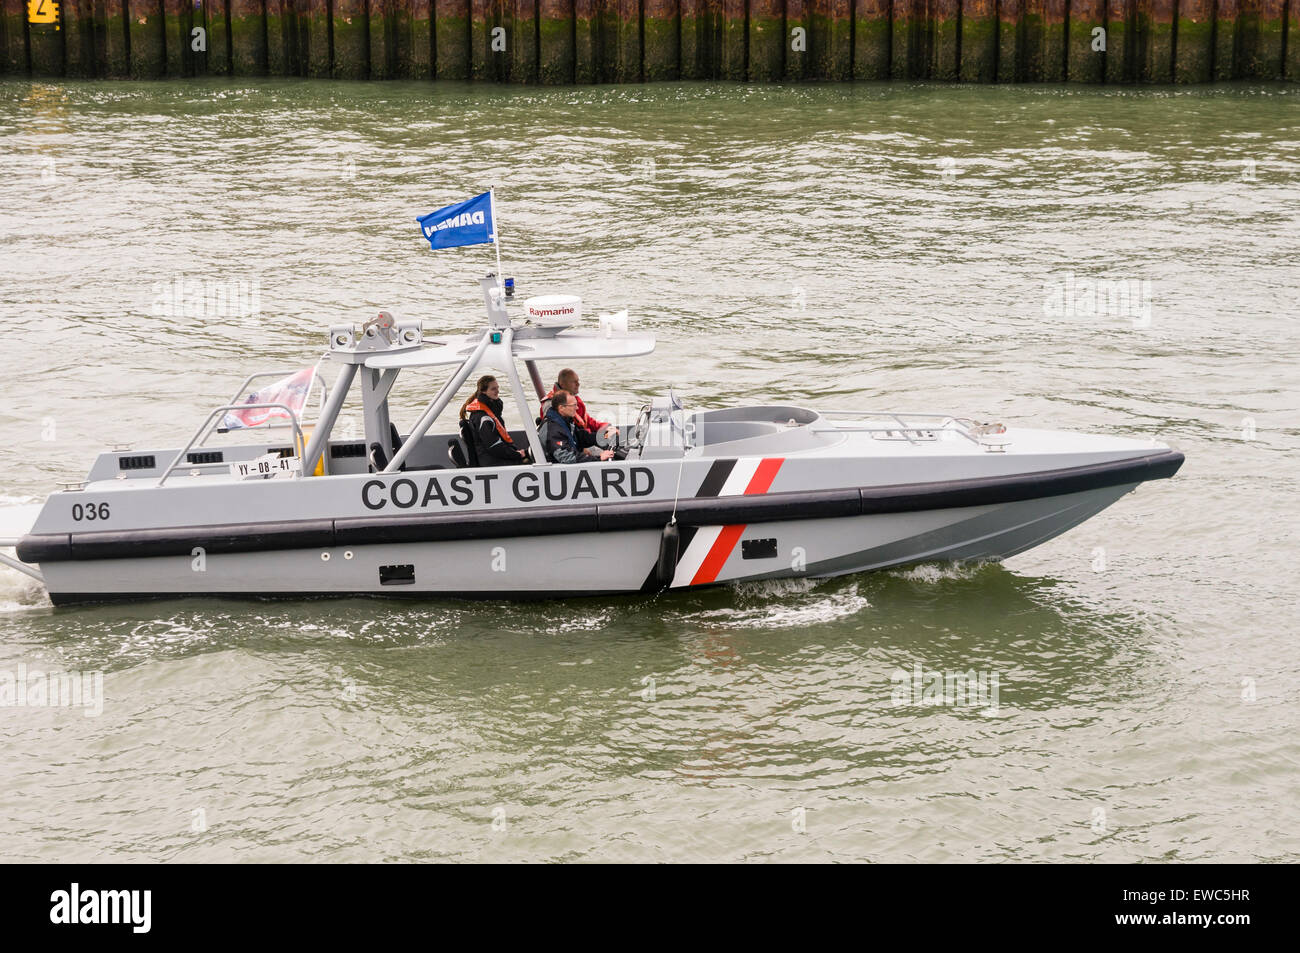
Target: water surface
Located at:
point(840, 246)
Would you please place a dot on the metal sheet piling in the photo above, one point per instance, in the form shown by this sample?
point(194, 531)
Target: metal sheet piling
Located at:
point(1226, 61)
point(907, 47)
point(626, 61)
point(1266, 63)
point(766, 41)
point(416, 40)
point(281, 38)
point(871, 34)
point(397, 39)
point(45, 38)
point(693, 38)
point(945, 16)
point(830, 38)
point(218, 17)
point(1194, 51)
point(606, 40)
point(1120, 36)
point(661, 39)
point(382, 39)
point(979, 41)
point(1291, 68)
point(523, 41)
point(80, 41)
point(351, 29)
point(1054, 45)
point(557, 33)
point(400, 41)
point(13, 23)
point(177, 15)
point(451, 38)
point(247, 37)
point(796, 40)
point(586, 41)
point(1155, 29)
point(1010, 15)
point(117, 65)
point(1031, 33)
point(1083, 63)
point(734, 40)
point(316, 14)
point(1162, 40)
point(148, 60)
point(558, 42)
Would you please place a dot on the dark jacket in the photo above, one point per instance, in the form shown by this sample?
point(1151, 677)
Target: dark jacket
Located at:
point(582, 420)
point(566, 444)
point(492, 449)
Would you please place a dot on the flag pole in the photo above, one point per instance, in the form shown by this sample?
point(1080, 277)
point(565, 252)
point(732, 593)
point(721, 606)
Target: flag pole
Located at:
point(496, 239)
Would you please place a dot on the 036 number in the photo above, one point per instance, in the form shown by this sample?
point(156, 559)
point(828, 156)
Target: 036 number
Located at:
point(89, 511)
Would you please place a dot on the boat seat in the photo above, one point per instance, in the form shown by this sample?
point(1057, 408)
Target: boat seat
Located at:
point(456, 454)
point(467, 438)
point(378, 459)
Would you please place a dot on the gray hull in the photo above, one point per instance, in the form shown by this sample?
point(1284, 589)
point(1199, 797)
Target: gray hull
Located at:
point(627, 561)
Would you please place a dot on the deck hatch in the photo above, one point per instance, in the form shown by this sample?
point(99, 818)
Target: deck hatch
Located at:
point(758, 548)
point(137, 463)
point(397, 575)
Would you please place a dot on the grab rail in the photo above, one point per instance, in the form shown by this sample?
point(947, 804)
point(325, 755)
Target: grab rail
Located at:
point(206, 426)
point(906, 427)
point(268, 425)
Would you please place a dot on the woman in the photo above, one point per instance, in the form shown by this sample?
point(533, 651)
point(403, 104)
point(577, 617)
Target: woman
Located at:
point(491, 439)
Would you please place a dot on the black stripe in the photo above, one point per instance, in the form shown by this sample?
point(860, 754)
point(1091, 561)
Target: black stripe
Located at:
point(687, 533)
point(481, 524)
point(684, 536)
point(482, 595)
point(605, 517)
point(716, 478)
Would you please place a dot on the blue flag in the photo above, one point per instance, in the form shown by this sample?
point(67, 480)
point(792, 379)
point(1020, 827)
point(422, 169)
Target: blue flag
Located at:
point(465, 223)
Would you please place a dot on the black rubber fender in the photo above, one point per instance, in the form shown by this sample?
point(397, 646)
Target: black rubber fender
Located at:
point(669, 546)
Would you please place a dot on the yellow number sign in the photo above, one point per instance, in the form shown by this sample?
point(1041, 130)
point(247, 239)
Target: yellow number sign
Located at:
point(43, 11)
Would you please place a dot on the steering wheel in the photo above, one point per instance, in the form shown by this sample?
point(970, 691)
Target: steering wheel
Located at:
point(637, 440)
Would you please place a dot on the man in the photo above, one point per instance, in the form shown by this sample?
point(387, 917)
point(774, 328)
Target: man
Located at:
point(562, 439)
point(568, 381)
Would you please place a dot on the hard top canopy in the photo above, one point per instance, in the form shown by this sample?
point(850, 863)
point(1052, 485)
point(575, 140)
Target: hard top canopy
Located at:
point(381, 351)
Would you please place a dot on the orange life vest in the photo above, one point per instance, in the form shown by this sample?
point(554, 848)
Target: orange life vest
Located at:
point(475, 404)
point(581, 418)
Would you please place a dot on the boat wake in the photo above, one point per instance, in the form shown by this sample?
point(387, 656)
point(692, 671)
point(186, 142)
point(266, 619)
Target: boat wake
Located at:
point(931, 573)
point(19, 593)
point(786, 604)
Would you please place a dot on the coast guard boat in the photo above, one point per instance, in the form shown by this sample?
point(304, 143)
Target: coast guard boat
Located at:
point(692, 498)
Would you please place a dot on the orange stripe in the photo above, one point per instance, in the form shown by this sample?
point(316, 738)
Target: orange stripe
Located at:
point(718, 553)
point(721, 549)
point(764, 474)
